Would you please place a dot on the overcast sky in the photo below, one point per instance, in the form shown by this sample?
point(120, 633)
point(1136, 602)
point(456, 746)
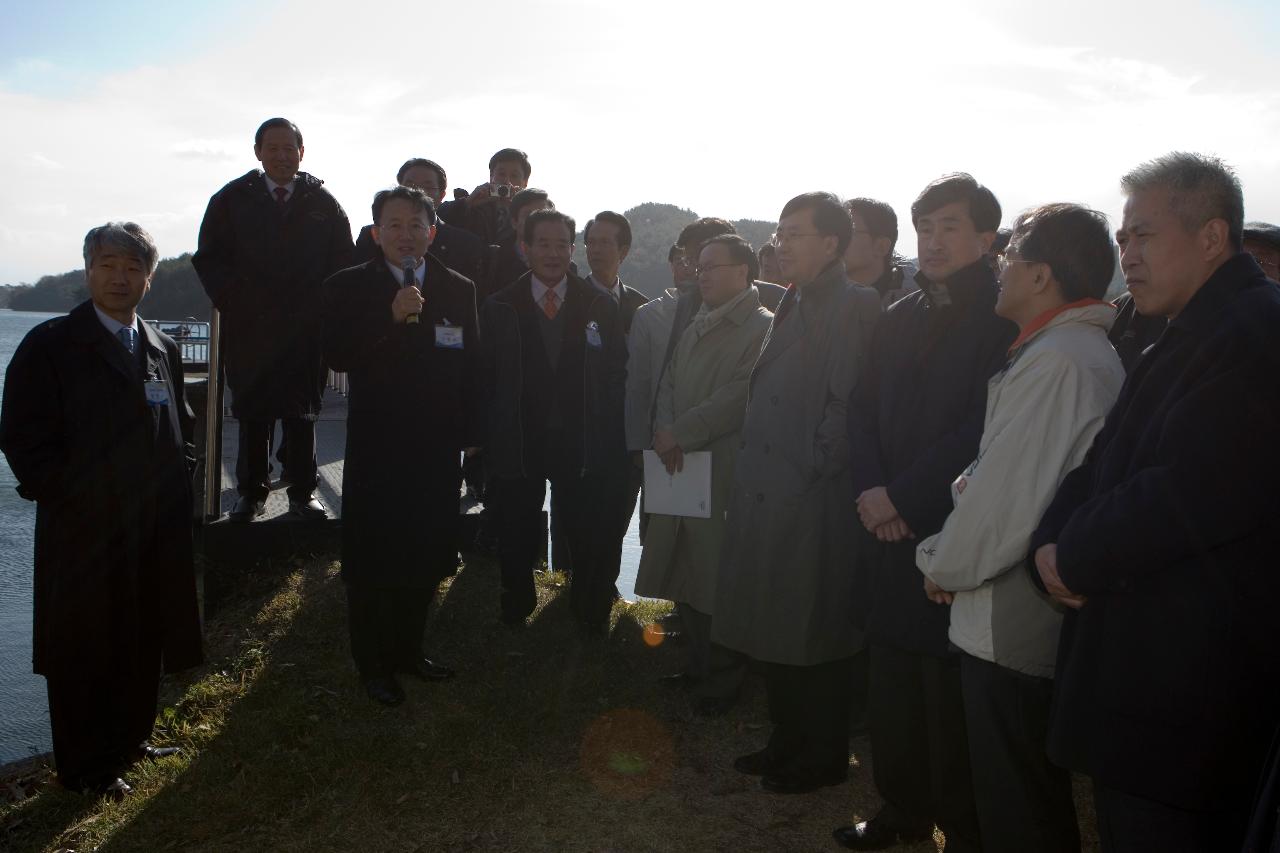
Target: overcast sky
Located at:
point(141, 109)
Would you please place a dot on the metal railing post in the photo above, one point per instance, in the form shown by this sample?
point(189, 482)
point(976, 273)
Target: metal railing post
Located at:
point(213, 422)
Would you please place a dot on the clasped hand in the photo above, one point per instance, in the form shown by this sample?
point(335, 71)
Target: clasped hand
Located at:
point(1047, 568)
point(880, 516)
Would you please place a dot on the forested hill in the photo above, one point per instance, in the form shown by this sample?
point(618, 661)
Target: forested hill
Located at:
point(176, 293)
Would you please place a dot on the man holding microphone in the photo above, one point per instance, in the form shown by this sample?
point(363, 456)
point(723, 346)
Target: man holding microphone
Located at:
point(403, 327)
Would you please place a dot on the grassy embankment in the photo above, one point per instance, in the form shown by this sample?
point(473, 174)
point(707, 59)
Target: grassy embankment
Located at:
point(545, 741)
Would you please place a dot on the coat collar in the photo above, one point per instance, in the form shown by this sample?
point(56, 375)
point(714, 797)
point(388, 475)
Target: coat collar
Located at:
point(1092, 312)
point(1235, 275)
point(962, 289)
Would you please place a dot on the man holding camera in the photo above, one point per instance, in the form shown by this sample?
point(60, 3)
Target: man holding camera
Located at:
point(486, 212)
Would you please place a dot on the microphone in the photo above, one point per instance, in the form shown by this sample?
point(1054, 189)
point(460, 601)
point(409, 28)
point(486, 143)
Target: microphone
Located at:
point(407, 266)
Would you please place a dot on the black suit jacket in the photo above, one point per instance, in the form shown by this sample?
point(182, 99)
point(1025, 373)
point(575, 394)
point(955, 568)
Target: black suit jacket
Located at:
point(588, 383)
point(110, 475)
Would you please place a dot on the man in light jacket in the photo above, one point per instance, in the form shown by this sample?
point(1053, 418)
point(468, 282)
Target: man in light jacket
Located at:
point(701, 405)
point(1043, 411)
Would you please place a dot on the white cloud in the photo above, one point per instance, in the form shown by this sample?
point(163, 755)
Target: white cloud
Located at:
point(728, 111)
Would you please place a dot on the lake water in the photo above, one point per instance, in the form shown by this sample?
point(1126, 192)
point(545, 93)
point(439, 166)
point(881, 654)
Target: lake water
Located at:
point(24, 716)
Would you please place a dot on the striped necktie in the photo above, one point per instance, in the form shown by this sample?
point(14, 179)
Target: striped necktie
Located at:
point(129, 338)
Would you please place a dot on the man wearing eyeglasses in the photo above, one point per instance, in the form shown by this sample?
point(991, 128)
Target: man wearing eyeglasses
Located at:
point(785, 578)
point(870, 259)
point(1043, 410)
point(914, 424)
point(701, 404)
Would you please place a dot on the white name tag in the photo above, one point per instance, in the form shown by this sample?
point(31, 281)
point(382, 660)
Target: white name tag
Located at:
point(593, 335)
point(449, 337)
point(157, 392)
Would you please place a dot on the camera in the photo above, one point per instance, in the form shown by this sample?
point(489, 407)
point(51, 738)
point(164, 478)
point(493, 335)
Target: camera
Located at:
point(501, 190)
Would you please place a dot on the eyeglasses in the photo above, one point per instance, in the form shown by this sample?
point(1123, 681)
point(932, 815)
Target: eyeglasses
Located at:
point(1004, 260)
point(682, 261)
point(707, 270)
point(782, 239)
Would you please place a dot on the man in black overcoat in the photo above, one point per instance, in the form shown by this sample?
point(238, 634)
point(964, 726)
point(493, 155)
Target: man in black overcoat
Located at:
point(1162, 543)
point(409, 343)
point(555, 371)
point(96, 428)
point(268, 241)
point(915, 420)
point(456, 248)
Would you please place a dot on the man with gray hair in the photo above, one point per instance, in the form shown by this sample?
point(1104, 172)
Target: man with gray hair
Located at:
point(97, 431)
point(1161, 545)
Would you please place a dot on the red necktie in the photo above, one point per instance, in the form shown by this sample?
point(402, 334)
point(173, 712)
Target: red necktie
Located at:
point(550, 304)
point(282, 195)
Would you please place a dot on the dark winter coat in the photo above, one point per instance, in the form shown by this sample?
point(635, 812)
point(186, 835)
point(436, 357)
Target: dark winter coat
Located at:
point(587, 386)
point(1168, 679)
point(263, 267)
point(111, 478)
point(915, 420)
point(1132, 333)
point(456, 248)
point(413, 406)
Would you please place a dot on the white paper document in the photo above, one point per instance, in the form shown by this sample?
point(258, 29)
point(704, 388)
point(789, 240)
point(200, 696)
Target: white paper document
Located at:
point(687, 492)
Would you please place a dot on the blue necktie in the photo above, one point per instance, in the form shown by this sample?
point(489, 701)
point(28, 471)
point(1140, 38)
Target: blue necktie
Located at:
point(128, 337)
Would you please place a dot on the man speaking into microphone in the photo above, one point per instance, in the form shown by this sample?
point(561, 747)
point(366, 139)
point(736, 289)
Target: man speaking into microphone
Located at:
point(403, 327)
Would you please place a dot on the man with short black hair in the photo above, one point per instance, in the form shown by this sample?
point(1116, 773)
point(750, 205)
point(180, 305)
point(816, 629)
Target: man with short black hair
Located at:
point(485, 211)
point(1162, 543)
point(508, 262)
point(414, 377)
point(870, 259)
point(1042, 412)
point(555, 368)
point(914, 423)
point(784, 581)
point(96, 429)
point(268, 241)
point(456, 248)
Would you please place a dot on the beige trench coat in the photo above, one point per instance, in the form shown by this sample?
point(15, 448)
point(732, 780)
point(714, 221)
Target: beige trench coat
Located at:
point(785, 585)
point(702, 399)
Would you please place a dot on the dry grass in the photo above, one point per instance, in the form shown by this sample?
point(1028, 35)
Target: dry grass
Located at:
point(545, 741)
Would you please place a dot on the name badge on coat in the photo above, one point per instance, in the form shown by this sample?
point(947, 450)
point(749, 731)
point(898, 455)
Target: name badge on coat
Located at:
point(157, 392)
point(448, 337)
point(593, 335)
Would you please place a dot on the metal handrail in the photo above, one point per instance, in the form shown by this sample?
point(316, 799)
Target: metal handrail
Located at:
point(213, 422)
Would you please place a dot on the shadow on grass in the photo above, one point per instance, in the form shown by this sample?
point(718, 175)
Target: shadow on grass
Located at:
point(546, 740)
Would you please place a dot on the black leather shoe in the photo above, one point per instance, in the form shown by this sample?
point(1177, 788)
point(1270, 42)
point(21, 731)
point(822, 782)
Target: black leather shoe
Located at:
point(385, 690)
point(797, 783)
point(115, 790)
point(677, 680)
point(155, 753)
point(310, 509)
point(755, 764)
point(428, 670)
point(877, 834)
point(247, 509)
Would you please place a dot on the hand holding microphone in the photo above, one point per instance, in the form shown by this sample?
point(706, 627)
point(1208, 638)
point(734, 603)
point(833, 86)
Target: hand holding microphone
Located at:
point(408, 303)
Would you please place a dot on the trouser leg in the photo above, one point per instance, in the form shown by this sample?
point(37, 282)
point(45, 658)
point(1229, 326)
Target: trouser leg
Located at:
point(589, 513)
point(899, 742)
point(1128, 823)
point(300, 456)
point(363, 622)
point(253, 467)
point(518, 514)
point(561, 547)
point(1023, 800)
point(952, 779)
point(407, 620)
point(810, 709)
point(718, 672)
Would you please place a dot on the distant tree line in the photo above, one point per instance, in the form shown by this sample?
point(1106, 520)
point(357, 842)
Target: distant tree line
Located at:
point(176, 292)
